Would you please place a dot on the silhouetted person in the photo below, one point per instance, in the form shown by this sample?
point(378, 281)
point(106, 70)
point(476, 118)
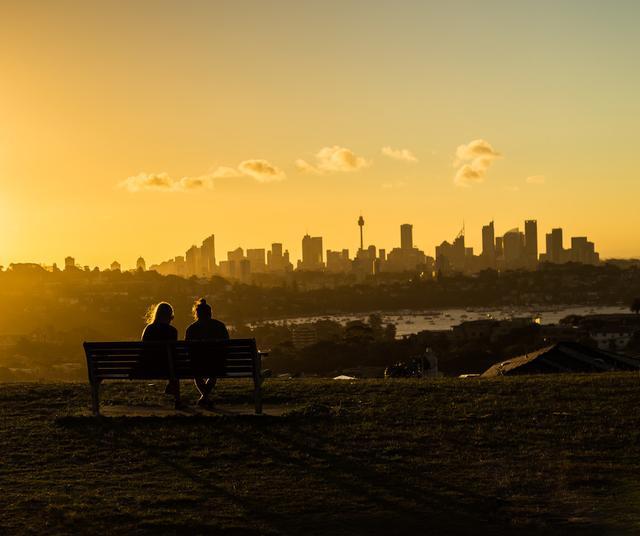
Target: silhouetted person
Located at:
point(205, 328)
point(159, 329)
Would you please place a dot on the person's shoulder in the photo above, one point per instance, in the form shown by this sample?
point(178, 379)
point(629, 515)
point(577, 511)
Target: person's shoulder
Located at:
point(146, 331)
point(218, 324)
point(191, 328)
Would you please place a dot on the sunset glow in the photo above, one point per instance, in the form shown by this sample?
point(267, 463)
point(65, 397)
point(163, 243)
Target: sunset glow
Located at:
point(131, 129)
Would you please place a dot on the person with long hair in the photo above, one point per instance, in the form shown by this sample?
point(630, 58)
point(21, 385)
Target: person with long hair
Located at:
point(159, 329)
point(205, 328)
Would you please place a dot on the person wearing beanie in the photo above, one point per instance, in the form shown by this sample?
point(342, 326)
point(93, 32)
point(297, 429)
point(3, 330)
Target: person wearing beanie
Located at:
point(205, 328)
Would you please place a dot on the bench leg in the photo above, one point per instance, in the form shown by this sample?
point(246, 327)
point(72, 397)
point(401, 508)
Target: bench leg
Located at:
point(95, 398)
point(178, 403)
point(257, 392)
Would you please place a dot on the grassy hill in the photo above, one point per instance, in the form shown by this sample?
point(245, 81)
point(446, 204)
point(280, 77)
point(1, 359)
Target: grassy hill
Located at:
point(506, 456)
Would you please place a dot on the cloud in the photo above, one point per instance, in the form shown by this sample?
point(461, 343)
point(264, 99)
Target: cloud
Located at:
point(476, 149)
point(333, 159)
point(162, 182)
point(473, 161)
point(305, 167)
point(261, 170)
point(535, 179)
point(203, 182)
point(399, 154)
point(226, 172)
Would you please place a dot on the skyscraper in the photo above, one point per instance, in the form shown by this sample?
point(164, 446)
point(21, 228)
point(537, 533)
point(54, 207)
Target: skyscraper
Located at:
point(406, 236)
point(192, 257)
point(531, 241)
point(257, 260)
point(208, 255)
point(489, 244)
point(277, 260)
point(513, 243)
point(555, 249)
point(311, 253)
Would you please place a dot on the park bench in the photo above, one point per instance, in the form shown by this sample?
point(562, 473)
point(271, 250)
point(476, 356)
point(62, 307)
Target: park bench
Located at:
point(181, 360)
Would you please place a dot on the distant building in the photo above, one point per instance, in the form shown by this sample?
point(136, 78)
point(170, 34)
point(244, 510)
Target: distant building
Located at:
point(311, 254)
point(277, 261)
point(452, 257)
point(256, 258)
point(555, 248)
point(141, 264)
point(406, 236)
point(563, 357)
point(612, 338)
point(406, 258)
point(338, 261)
point(531, 242)
point(193, 258)
point(69, 263)
point(514, 248)
point(115, 266)
point(581, 251)
point(208, 256)
point(488, 246)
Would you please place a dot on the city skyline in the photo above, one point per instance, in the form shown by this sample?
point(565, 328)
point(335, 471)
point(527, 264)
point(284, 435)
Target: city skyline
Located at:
point(115, 143)
point(513, 249)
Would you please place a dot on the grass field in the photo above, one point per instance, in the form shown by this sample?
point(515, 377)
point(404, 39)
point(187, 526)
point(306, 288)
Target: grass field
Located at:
point(545, 455)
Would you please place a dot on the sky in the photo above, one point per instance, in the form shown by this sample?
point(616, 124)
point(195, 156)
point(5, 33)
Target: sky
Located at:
point(140, 128)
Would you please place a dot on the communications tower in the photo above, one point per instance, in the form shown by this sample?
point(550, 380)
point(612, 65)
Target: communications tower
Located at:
point(361, 224)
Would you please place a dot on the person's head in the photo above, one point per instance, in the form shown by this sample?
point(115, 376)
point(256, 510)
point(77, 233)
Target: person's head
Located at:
point(201, 310)
point(162, 313)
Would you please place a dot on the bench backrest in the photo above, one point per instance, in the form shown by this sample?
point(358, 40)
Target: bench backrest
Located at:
point(233, 358)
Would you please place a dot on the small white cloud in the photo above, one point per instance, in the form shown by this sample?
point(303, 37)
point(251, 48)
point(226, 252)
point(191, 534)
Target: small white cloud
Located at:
point(225, 172)
point(261, 170)
point(333, 159)
point(535, 179)
point(473, 160)
point(305, 167)
point(162, 182)
point(399, 154)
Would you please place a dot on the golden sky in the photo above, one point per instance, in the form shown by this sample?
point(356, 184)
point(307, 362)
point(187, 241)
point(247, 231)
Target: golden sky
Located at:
point(139, 128)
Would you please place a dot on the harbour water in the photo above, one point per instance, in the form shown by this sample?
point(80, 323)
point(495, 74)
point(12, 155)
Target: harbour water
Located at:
point(408, 322)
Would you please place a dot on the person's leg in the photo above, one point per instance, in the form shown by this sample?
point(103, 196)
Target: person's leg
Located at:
point(204, 387)
point(201, 385)
point(211, 385)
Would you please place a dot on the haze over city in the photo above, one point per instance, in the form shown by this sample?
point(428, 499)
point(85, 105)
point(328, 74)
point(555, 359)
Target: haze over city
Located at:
point(130, 129)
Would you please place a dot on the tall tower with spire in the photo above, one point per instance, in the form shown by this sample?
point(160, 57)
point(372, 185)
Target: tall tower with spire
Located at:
point(361, 224)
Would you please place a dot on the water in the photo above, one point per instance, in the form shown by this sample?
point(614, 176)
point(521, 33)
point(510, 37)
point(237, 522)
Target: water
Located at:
point(408, 322)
